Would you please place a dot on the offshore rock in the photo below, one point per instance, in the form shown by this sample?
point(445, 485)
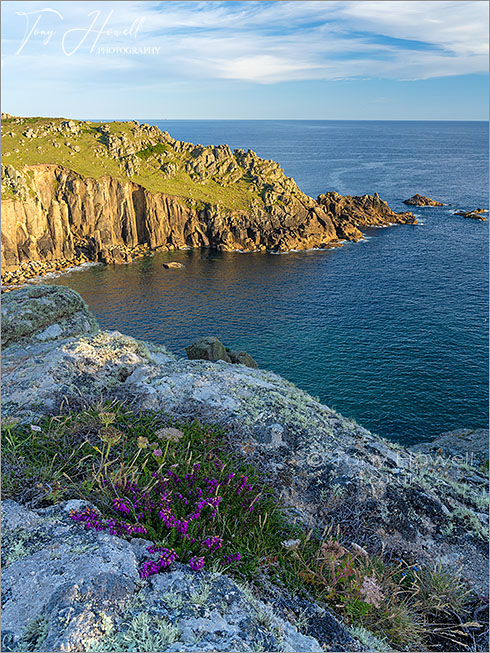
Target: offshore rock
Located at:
point(67, 588)
point(349, 214)
point(475, 214)
point(421, 200)
point(327, 468)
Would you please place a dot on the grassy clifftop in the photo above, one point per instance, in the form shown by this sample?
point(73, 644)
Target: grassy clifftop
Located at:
point(146, 155)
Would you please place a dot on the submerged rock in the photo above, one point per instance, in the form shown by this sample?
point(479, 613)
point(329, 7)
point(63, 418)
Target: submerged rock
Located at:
point(172, 265)
point(422, 200)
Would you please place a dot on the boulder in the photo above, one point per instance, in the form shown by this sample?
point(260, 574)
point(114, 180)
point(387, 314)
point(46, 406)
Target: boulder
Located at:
point(421, 200)
point(242, 358)
point(208, 349)
point(173, 265)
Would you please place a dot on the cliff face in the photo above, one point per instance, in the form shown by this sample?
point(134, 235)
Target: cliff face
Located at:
point(103, 189)
point(65, 209)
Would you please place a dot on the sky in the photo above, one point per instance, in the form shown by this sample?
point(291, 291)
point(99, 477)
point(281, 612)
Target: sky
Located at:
point(356, 60)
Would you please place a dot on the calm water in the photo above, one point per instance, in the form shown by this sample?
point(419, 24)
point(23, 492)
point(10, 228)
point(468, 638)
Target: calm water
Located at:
point(391, 331)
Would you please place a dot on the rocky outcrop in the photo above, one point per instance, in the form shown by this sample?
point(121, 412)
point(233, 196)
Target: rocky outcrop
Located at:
point(475, 214)
point(468, 445)
point(66, 588)
point(351, 214)
point(45, 313)
point(421, 200)
point(327, 468)
point(119, 190)
point(212, 349)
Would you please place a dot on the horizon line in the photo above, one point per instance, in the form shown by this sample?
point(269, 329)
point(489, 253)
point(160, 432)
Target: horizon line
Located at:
point(261, 119)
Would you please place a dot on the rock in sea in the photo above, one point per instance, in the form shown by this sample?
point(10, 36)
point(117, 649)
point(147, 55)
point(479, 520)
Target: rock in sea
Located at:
point(421, 200)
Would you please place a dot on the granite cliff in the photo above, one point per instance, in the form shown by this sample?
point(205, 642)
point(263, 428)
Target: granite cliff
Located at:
point(75, 190)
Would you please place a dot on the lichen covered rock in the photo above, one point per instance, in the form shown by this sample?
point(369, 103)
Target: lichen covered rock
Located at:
point(42, 313)
point(327, 468)
point(71, 589)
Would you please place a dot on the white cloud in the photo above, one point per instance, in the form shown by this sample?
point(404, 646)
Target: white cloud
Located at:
point(262, 42)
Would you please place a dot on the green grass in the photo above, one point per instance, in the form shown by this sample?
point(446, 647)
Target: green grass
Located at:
point(87, 454)
point(52, 149)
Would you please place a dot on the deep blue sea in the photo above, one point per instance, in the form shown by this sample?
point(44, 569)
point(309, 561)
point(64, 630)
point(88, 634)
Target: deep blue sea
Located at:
point(393, 330)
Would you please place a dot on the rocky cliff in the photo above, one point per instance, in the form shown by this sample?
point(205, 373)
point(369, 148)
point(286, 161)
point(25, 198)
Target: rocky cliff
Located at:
point(101, 190)
point(428, 506)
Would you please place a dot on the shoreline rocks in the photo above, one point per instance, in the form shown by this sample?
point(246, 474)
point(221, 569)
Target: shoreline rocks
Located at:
point(421, 200)
point(349, 213)
point(151, 193)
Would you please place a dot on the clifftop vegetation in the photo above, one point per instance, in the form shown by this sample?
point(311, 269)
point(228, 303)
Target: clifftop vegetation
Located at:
point(145, 155)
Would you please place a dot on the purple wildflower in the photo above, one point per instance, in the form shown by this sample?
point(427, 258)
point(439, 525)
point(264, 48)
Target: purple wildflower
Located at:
point(212, 543)
point(165, 559)
point(196, 563)
point(230, 559)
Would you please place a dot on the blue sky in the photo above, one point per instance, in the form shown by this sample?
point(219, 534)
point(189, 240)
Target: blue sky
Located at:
point(257, 60)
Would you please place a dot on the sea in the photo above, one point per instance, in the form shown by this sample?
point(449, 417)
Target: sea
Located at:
point(391, 331)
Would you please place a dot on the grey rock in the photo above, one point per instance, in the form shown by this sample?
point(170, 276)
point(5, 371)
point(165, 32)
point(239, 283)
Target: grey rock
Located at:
point(68, 588)
point(45, 312)
point(468, 445)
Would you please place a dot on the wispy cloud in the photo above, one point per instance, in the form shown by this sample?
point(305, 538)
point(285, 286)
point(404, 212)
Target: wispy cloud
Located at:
point(257, 42)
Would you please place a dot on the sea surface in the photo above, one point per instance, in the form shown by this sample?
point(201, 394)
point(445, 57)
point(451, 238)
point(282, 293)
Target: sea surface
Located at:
point(393, 330)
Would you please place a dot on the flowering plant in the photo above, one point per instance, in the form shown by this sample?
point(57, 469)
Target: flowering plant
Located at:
point(188, 513)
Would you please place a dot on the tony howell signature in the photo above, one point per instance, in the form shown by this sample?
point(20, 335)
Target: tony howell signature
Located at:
point(36, 26)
